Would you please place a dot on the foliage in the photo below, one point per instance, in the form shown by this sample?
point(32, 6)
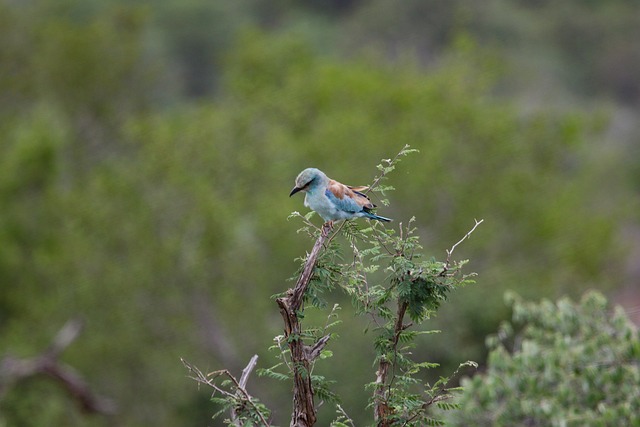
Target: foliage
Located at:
point(570, 46)
point(558, 364)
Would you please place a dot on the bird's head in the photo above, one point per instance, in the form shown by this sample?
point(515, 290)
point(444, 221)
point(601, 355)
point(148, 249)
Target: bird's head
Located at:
point(307, 178)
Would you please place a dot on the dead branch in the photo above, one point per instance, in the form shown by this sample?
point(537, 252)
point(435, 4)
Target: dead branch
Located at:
point(242, 390)
point(241, 394)
point(466, 236)
point(302, 356)
point(447, 263)
point(247, 371)
point(13, 370)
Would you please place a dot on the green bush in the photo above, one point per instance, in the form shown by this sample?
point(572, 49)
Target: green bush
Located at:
point(558, 364)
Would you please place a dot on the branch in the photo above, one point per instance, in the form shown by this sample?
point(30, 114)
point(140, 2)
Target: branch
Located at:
point(295, 298)
point(342, 412)
point(65, 336)
point(201, 378)
point(14, 370)
point(302, 356)
point(247, 371)
point(242, 391)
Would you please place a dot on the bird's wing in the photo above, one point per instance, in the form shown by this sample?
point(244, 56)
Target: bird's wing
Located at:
point(348, 198)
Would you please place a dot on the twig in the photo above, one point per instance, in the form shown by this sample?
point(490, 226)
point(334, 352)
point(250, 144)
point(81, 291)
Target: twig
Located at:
point(335, 233)
point(344, 414)
point(377, 179)
point(240, 386)
point(203, 379)
point(447, 263)
point(466, 236)
point(279, 340)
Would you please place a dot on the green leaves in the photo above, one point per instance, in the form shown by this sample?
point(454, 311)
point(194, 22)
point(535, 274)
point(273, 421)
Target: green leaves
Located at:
point(388, 278)
point(582, 365)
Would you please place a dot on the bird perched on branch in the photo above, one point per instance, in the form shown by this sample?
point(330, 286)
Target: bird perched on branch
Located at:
point(332, 200)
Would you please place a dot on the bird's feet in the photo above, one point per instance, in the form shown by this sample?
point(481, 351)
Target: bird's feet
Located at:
point(327, 227)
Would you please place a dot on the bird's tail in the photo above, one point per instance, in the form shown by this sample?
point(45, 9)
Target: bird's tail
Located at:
point(377, 217)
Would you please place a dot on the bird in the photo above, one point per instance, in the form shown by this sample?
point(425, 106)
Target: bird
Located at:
point(332, 200)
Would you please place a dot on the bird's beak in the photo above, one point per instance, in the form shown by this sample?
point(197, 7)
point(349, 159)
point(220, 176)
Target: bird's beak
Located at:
point(294, 191)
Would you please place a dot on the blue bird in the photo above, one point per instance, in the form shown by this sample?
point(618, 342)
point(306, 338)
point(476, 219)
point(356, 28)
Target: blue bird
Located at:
point(332, 200)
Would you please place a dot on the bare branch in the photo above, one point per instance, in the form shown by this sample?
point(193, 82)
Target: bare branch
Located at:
point(201, 378)
point(240, 394)
point(242, 391)
point(65, 336)
point(312, 352)
point(14, 370)
point(247, 371)
point(466, 236)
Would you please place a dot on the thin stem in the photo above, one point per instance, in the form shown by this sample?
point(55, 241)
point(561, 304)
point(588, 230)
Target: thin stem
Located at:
point(378, 178)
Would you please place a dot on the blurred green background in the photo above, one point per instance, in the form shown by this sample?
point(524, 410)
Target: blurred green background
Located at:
point(148, 147)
